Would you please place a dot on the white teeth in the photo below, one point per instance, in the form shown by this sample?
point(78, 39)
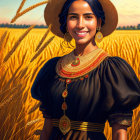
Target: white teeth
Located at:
point(81, 33)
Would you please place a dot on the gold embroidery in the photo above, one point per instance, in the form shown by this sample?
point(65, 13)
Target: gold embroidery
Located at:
point(78, 125)
point(121, 118)
point(64, 124)
point(87, 64)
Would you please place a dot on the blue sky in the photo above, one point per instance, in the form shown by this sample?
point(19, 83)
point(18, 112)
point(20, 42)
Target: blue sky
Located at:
point(128, 10)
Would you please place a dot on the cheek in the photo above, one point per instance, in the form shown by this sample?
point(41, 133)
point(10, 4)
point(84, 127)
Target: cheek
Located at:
point(70, 26)
point(92, 25)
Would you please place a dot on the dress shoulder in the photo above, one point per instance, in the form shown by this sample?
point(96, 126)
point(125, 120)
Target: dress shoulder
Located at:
point(121, 90)
point(39, 90)
point(42, 77)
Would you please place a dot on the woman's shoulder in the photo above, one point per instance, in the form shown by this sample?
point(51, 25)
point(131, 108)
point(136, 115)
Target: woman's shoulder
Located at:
point(120, 80)
point(43, 76)
point(115, 62)
point(49, 66)
point(120, 89)
point(118, 67)
point(51, 62)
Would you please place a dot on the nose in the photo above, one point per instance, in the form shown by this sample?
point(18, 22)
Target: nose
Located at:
point(80, 23)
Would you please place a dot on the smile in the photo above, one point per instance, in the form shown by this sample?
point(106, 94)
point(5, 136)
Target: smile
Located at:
point(81, 33)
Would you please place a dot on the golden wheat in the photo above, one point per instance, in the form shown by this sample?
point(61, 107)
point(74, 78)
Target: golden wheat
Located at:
point(30, 51)
point(17, 43)
point(27, 10)
point(43, 38)
point(21, 5)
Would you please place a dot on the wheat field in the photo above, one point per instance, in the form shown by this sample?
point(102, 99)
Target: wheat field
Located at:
point(22, 54)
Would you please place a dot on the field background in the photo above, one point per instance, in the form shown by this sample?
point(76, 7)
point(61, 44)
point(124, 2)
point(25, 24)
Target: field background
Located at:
point(22, 54)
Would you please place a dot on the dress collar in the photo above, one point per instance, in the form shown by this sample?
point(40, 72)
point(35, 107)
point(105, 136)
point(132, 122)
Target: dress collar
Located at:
point(71, 66)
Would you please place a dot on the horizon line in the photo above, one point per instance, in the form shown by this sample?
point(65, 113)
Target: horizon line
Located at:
point(46, 25)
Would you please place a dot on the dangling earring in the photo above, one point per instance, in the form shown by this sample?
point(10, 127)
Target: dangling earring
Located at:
point(99, 35)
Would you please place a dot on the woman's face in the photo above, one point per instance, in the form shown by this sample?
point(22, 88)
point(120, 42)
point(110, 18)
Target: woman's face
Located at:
point(81, 22)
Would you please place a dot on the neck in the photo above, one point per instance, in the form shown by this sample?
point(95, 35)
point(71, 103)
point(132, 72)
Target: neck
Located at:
point(83, 49)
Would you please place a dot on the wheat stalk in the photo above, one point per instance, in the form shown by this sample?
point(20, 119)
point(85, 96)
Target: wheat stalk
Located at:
point(27, 10)
point(33, 122)
point(34, 108)
point(17, 43)
point(8, 100)
point(41, 49)
point(133, 132)
point(9, 115)
point(118, 47)
point(9, 90)
point(43, 38)
point(2, 39)
point(21, 5)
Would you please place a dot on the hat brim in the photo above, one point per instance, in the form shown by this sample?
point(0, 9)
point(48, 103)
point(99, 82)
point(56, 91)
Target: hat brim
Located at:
point(53, 9)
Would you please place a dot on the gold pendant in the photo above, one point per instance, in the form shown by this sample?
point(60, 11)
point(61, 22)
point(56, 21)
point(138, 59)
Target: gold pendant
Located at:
point(76, 62)
point(64, 124)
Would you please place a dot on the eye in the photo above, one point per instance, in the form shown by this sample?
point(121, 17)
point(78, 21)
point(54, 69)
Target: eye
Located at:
point(89, 17)
point(72, 17)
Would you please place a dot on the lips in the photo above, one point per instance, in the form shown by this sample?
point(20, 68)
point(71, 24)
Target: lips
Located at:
point(81, 33)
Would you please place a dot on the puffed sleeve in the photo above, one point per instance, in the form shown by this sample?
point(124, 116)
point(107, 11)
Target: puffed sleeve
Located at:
point(121, 89)
point(39, 88)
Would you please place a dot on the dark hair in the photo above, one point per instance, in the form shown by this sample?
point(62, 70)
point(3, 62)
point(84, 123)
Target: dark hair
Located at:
point(95, 6)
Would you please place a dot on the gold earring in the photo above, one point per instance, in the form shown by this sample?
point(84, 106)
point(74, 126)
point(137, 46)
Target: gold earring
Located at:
point(99, 35)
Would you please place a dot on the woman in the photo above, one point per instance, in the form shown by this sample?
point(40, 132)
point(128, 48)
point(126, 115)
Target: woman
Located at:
point(83, 89)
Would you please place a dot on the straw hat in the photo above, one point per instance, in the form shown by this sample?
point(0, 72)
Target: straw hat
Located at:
point(53, 9)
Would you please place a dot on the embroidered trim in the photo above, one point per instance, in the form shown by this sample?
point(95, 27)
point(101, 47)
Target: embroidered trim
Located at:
point(120, 118)
point(65, 70)
point(83, 126)
point(122, 121)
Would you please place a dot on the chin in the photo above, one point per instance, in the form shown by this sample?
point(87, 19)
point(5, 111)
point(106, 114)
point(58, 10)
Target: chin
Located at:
point(83, 42)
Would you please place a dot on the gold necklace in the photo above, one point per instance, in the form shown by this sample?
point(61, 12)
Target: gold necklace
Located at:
point(76, 62)
point(64, 122)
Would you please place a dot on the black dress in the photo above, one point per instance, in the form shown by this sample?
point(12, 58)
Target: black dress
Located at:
point(110, 92)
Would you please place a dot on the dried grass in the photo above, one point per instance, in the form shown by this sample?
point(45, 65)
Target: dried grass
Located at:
point(21, 5)
point(42, 49)
point(20, 117)
point(43, 38)
point(17, 43)
point(26, 10)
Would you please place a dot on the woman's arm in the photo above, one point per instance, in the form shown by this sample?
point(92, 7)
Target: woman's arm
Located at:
point(119, 132)
point(47, 129)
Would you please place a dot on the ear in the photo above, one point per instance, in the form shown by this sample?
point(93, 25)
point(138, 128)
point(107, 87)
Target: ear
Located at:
point(99, 21)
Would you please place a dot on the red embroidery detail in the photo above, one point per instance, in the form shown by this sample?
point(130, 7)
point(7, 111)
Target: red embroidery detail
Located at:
point(68, 81)
point(86, 76)
point(83, 71)
point(64, 106)
point(65, 124)
point(62, 80)
point(64, 94)
point(82, 78)
point(76, 63)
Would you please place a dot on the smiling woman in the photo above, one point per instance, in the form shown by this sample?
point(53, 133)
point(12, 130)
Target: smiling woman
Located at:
point(81, 23)
point(86, 87)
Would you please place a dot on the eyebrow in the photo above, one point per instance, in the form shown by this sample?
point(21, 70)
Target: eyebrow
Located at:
point(83, 14)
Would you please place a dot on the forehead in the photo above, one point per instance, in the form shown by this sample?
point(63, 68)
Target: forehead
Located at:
point(80, 6)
